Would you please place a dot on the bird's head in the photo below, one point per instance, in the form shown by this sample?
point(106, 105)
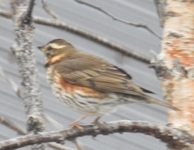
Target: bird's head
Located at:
point(56, 47)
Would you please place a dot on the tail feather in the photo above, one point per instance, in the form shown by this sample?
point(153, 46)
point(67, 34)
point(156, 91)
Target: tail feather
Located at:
point(159, 102)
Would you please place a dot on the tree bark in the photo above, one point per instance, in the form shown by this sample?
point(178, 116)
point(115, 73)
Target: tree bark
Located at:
point(30, 87)
point(177, 57)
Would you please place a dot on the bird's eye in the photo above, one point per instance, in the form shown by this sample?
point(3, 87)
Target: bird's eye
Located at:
point(49, 48)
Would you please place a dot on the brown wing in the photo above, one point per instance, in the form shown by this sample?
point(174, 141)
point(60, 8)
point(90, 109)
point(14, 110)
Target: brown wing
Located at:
point(95, 73)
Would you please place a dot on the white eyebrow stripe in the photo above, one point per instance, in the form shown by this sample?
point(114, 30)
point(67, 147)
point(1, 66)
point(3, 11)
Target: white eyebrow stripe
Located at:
point(56, 46)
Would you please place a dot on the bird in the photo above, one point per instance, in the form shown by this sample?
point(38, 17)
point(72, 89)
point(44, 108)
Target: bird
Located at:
point(89, 84)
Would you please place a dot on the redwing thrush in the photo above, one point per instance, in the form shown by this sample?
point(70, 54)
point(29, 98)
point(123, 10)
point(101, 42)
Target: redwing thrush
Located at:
point(89, 84)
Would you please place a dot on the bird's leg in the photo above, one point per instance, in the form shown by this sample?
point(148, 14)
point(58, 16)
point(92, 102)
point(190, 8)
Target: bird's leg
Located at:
point(76, 122)
point(98, 123)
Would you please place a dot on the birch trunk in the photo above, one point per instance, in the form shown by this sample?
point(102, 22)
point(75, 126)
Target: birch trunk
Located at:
point(177, 56)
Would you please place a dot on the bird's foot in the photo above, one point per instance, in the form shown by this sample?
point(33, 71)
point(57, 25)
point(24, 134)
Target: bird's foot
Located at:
point(75, 124)
point(98, 122)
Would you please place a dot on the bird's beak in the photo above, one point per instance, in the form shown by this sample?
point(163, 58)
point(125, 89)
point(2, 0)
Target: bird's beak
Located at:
point(40, 48)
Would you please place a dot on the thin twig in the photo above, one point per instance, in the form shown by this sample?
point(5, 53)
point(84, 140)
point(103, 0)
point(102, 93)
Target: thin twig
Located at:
point(63, 26)
point(59, 146)
point(5, 14)
point(56, 124)
point(172, 137)
point(159, 4)
point(11, 125)
point(119, 20)
point(78, 145)
point(49, 11)
point(11, 82)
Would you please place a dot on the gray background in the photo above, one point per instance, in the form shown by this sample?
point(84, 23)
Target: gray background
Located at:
point(86, 18)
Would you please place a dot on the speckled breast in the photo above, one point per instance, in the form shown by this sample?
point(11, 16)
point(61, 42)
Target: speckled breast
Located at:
point(81, 99)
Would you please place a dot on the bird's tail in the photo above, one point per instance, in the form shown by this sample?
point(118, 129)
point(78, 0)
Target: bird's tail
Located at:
point(152, 100)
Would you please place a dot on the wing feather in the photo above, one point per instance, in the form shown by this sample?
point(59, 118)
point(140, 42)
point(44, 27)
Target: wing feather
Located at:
point(95, 73)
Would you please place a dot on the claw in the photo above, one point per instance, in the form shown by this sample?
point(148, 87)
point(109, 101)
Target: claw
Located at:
point(98, 122)
point(75, 124)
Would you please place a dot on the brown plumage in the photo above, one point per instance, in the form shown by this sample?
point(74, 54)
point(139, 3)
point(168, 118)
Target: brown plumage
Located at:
point(89, 84)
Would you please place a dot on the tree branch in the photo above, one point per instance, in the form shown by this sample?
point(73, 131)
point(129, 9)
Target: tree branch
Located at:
point(160, 10)
point(11, 82)
point(63, 26)
point(59, 146)
point(5, 14)
point(11, 125)
point(49, 11)
point(20, 131)
point(30, 87)
point(59, 126)
point(174, 138)
point(119, 20)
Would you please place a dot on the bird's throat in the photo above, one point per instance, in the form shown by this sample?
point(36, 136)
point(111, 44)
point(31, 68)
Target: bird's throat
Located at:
point(55, 59)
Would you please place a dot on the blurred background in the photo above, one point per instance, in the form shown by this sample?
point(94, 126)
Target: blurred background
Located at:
point(96, 22)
